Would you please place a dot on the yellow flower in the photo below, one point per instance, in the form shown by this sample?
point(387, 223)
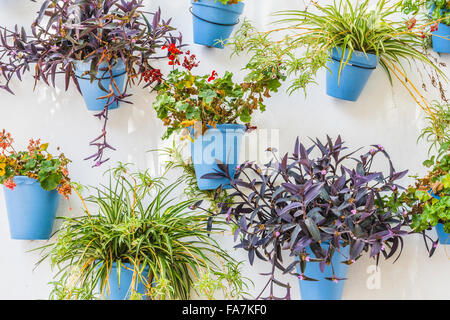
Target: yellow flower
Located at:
point(187, 123)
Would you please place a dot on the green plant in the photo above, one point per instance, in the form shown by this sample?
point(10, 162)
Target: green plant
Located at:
point(339, 25)
point(138, 223)
point(429, 200)
point(435, 10)
point(184, 98)
point(36, 163)
point(437, 133)
point(356, 27)
point(271, 58)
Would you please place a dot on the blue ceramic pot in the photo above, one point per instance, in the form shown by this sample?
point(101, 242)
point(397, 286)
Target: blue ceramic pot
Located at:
point(122, 291)
point(91, 90)
point(444, 237)
point(324, 289)
point(222, 143)
point(214, 21)
point(441, 39)
point(353, 77)
point(31, 209)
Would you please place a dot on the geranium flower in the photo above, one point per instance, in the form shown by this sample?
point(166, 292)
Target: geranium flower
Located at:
point(212, 76)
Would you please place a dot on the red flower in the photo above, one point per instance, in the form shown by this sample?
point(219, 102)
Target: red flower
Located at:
point(173, 54)
point(190, 61)
point(10, 184)
point(411, 23)
point(434, 27)
point(152, 75)
point(213, 76)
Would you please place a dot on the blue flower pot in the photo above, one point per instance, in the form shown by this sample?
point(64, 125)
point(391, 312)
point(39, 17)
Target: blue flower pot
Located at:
point(441, 39)
point(444, 237)
point(223, 144)
point(31, 209)
point(324, 289)
point(214, 21)
point(122, 291)
point(353, 77)
point(91, 90)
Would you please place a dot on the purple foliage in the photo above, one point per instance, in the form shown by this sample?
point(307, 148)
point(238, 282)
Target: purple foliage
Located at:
point(301, 201)
point(88, 30)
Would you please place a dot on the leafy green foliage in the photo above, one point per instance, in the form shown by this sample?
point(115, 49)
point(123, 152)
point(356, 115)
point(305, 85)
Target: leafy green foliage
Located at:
point(272, 58)
point(184, 98)
point(437, 133)
point(429, 200)
point(36, 163)
point(137, 223)
point(434, 9)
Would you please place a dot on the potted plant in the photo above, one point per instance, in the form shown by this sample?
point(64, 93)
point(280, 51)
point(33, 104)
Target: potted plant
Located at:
point(209, 108)
point(103, 47)
point(348, 40)
point(139, 243)
point(214, 20)
point(323, 206)
point(357, 40)
point(32, 180)
point(428, 200)
point(437, 18)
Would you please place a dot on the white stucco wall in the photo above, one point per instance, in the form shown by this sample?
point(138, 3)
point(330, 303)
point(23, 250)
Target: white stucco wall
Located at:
point(383, 114)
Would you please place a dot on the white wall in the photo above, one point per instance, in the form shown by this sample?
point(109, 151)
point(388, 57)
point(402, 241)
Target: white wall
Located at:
point(383, 114)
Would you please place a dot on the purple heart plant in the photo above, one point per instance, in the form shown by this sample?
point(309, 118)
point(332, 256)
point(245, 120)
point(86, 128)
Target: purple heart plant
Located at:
point(318, 198)
point(98, 32)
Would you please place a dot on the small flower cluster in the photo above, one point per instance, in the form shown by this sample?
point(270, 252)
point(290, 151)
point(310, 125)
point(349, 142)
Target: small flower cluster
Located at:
point(190, 61)
point(411, 23)
point(152, 75)
point(35, 163)
point(174, 52)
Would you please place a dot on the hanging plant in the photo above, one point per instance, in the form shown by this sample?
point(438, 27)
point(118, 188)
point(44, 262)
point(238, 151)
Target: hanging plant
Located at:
point(350, 40)
point(208, 108)
point(94, 44)
point(428, 200)
point(318, 204)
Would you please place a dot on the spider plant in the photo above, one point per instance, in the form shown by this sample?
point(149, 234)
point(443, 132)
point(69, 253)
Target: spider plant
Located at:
point(357, 28)
point(437, 132)
point(350, 28)
point(139, 223)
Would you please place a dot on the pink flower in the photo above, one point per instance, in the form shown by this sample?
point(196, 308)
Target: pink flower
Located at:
point(354, 211)
point(301, 277)
point(323, 172)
